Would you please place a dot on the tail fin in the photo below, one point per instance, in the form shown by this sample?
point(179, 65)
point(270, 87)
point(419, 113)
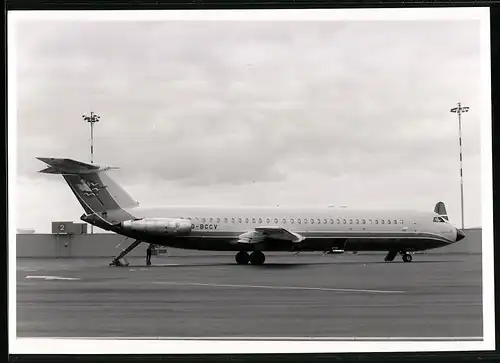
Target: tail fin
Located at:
point(94, 189)
point(441, 210)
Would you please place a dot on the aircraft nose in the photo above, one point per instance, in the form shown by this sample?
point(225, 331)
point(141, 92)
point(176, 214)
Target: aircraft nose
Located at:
point(460, 235)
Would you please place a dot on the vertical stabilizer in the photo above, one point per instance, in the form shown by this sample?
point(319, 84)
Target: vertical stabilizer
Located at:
point(92, 186)
point(441, 210)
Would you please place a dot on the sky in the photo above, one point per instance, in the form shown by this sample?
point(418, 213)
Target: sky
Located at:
point(353, 113)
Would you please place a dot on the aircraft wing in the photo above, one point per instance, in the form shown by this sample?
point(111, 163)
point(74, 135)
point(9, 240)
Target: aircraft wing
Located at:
point(259, 234)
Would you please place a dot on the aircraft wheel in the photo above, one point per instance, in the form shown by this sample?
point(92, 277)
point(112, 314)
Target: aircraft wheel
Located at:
point(407, 257)
point(242, 258)
point(257, 258)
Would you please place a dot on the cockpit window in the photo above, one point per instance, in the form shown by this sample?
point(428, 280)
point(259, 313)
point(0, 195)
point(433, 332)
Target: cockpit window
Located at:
point(439, 220)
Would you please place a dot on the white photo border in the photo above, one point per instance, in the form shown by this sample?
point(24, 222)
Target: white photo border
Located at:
point(273, 345)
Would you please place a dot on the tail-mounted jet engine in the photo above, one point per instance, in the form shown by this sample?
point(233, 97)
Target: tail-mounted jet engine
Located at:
point(161, 226)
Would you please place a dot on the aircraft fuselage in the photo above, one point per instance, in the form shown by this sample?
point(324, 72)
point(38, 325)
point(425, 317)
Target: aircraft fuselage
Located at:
point(218, 229)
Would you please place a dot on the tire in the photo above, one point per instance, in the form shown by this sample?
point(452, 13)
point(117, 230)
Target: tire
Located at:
point(242, 258)
point(407, 257)
point(257, 258)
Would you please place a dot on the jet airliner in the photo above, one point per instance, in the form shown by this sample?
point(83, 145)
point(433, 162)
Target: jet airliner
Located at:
point(250, 231)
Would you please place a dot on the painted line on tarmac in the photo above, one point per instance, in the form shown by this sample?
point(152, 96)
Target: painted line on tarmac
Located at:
point(152, 266)
point(279, 287)
point(52, 278)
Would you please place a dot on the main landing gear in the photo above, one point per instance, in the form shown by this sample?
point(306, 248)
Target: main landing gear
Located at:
point(392, 254)
point(255, 258)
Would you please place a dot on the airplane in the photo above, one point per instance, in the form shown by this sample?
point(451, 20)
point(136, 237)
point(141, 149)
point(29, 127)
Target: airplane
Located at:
point(250, 231)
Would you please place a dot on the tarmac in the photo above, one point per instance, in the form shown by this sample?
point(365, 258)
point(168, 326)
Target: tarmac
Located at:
point(308, 295)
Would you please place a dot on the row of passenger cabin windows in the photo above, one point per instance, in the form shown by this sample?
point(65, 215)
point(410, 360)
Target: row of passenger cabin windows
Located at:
point(299, 221)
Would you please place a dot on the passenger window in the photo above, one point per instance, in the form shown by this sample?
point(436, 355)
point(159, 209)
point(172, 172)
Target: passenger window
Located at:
point(338, 221)
point(211, 220)
point(299, 221)
point(370, 221)
point(357, 221)
point(233, 220)
point(246, 220)
point(276, 220)
point(268, 220)
point(382, 221)
point(218, 220)
point(389, 221)
point(240, 220)
point(331, 221)
point(344, 221)
point(395, 222)
point(363, 221)
point(291, 221)
point(253, 220)
point(283, 221)
point(203, 220)
point(350, 221)
point(312, 221)
point(376, 221)
point(401, 222)
point(225, 220)
point(260, 220)
point(305, 221)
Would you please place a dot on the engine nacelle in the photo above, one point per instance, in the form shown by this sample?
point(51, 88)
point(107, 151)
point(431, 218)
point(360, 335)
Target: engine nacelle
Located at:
point(160, 226)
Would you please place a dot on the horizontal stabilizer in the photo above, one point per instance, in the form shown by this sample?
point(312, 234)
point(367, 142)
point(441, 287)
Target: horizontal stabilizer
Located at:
point(67, 166)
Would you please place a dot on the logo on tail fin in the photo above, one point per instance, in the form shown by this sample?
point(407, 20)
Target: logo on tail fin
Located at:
point(89, 188)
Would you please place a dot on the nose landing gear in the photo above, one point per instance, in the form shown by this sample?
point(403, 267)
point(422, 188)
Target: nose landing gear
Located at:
point(391, 255)
point(407, 257)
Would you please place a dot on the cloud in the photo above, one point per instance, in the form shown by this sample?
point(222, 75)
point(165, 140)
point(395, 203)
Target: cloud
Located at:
point(256, 106)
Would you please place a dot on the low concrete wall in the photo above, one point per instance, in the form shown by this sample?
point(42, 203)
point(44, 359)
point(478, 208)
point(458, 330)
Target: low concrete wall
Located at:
point(84, 245)
point(472, 243)
point(87, 245)
point(36, 245)
point(105, 245)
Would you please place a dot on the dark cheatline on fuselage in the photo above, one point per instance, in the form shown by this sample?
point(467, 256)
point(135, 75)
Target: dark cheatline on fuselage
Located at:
point(313, 242)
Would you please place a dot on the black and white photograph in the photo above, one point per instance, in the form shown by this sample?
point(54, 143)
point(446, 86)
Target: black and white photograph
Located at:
point(250, 181)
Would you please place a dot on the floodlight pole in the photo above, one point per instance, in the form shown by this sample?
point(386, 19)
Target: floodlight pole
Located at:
point(459, 110)
point(93, 118)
